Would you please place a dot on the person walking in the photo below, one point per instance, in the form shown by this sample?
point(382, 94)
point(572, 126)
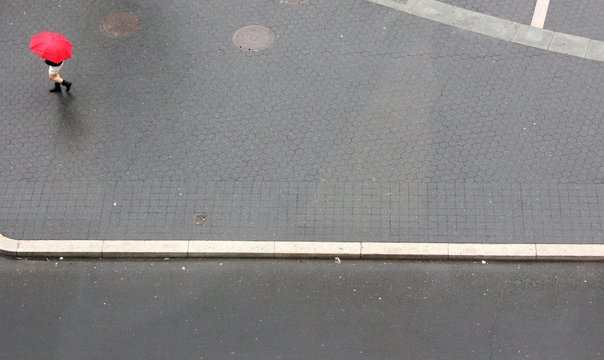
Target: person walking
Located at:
point(54, 48)
point(53, 74)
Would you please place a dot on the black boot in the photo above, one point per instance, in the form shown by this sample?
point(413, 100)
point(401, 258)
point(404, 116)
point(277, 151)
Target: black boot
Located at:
point(67, 85)
point(57, 88)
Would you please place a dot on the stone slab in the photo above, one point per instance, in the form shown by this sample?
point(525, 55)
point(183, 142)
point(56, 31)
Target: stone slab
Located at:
point(67, 248)
point(492, 251)
point(434, 10)
point(231, 248)
point(145, 248)
point(8, 246)
point(569, 44)
point(466, 19)
point(313, 249)
point(383, 127)
point(532, 36)
point(595, 51)
point(570, 252)
point(301, 249)
point(382, 250)
point(495, 27)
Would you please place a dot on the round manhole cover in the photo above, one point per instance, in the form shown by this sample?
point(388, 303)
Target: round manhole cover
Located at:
point(253, 38)
point(121, 24)
point(293, 2)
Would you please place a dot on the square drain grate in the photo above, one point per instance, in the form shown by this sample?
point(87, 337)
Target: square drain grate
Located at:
point(200, 219)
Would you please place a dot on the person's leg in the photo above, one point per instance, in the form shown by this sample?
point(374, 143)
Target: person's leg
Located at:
point(67, 85)
point(57, 80)
point(57, 88)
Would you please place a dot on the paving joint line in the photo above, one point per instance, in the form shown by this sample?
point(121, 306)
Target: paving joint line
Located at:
point(523, 34)
point(298, 249)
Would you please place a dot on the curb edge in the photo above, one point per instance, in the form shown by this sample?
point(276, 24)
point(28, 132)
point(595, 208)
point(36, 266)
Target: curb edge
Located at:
point(298, 249)
point(499, 28)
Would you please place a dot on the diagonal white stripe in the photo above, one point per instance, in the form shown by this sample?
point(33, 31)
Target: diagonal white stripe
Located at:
point(540, 13)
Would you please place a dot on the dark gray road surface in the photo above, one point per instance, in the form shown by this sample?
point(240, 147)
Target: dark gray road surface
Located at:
point(358, 123)
point(232, 309)
point(579, 17)
point(516, 10)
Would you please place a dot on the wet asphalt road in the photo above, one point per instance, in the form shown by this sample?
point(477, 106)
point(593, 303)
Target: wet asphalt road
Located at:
point(245, 309)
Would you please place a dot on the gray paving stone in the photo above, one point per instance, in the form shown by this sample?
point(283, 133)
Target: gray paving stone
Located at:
point(495, 27)
point(358, 123)
point(439, 212)
point(532, 36)
point(569, 44)
point(434, 10)
point(466, 19)
point(595, 50)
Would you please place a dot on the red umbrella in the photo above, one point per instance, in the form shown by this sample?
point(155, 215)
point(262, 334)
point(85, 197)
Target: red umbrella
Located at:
point(51, 46)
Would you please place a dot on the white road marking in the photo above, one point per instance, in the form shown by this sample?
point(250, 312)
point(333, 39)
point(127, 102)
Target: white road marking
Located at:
point(540, 13)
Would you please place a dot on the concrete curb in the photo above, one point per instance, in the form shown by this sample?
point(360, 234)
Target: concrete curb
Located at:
point(298, 249)
point(498, 28)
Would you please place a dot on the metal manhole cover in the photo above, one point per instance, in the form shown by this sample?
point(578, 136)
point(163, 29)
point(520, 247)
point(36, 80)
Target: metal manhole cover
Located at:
point(253, 38)
point(200, 219)
point(121, 24)
point(293, 2)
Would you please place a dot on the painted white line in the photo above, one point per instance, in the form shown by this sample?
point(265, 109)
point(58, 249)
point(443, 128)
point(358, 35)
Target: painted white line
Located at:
point(540, 13)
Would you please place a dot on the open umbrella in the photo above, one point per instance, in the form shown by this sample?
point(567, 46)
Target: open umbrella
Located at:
point(51, 46)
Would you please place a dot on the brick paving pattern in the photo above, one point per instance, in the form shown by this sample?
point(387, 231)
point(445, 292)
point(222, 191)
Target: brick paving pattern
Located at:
point(357, 123)
point(516, 10)
point(434, 212)
point(577, 17)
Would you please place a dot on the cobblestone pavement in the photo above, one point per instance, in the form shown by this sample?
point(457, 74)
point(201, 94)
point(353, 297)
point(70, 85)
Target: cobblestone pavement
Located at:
point(357, 123)
point(516, 10)
point(578, 17)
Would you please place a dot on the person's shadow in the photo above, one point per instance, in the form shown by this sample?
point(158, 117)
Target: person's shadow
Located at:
point(71, 127)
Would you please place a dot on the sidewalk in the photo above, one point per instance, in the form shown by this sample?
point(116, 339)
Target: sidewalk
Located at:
point(359, 123)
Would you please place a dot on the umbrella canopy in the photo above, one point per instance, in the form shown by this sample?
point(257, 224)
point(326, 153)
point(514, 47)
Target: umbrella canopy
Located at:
point(51, 46)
